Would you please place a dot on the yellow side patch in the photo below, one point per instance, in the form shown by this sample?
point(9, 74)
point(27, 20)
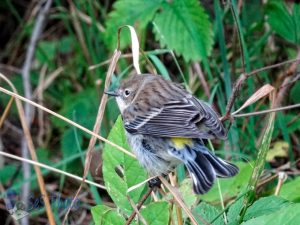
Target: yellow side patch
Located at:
point(179, 143)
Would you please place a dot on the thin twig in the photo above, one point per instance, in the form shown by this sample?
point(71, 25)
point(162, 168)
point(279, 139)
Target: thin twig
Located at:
point(10, 68)
point(40, 113)
point(219, 187)
point(266, 111)
point(47, 82)
point(281, 178)
point(272, 66)
point(32, 151)
point(17, 96)
point(235, 17)
point(6, 111)
point(243, 77)
point(87, 19)
point(136, 210)
point(39, 25)
point(139, 205)
point(234, 94)
point(181, 203)
point(228, 206)
point(51, 169)
point(173, 181)
point(200, 74)
point(97, 126)
point(79, 32)
point(260, 161)
point(285, 87)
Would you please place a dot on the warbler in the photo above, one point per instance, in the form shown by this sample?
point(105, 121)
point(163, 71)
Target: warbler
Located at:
point(166, 125)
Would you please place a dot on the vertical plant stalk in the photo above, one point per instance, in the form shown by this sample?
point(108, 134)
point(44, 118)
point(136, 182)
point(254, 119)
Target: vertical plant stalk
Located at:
point(282, 176)
point(28, 113)
point(173, 181)
point(139, 205)
point(96, 128)
point(219, 187)
point(260, 162)
point(202, 79)
point(32, 151)
point(79, 32)
point(239, 83)
point(6, 110)
point(239, 31)
point(181, 203)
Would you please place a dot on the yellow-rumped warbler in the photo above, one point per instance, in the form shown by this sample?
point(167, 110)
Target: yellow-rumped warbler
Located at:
point(165, 126)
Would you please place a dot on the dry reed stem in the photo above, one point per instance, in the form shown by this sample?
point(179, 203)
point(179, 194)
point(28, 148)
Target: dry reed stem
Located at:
point(78, 30)
point(139, 205)
point(181, 202)
point(240, 81)
point(51, 169)
point(97, 126)
point(6, 111)
point(136, 211)
point(17, 96)
point(32, 153)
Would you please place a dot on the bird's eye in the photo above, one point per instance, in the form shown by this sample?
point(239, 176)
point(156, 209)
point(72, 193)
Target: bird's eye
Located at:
point(126, 92)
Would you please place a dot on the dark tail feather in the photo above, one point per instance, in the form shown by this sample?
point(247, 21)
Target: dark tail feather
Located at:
point(205, 167)
point(222, 168)
point(201, 172)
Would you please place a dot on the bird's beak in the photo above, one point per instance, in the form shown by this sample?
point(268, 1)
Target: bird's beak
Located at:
point(112, 93)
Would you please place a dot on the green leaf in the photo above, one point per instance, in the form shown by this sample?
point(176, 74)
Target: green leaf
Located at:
point(80, 107)
point(121, 171)
point(265, 206)
point(7, 172)
point(66, 44)
point(156, 213)
point(285, 216)
point(234, 211)
point(69, 143)
point(259, 164)
point(285, 23)
point(160, 66)
point(104, 215)
point(129, 12)
point(46, 51)
point(294, 94)
point(184, 26)
point(43, 155)
point(187, 193)
point(208, 213)
point(290, 190)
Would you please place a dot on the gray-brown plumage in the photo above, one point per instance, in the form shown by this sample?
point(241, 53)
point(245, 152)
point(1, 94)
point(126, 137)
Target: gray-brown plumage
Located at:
point(165, 126)
point(172, 112)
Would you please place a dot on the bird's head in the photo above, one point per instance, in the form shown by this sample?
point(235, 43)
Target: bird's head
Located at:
point(129, 88)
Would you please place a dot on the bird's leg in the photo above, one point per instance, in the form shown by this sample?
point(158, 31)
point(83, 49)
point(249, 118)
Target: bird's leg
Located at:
point(154, 182)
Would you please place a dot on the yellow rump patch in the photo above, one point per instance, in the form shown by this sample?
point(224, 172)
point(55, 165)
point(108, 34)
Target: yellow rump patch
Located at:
point(179, 143)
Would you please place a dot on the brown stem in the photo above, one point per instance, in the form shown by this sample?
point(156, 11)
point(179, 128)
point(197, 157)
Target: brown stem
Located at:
point(243, 77)
point(139, 205)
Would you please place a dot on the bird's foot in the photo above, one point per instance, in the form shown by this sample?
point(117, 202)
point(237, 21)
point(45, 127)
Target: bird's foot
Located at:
point(155, 182)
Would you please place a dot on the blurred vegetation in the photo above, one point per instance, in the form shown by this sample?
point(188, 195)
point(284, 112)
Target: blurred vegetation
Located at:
point(197, 44)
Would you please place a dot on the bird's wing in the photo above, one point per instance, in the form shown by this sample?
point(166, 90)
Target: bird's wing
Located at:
point(189, 118)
